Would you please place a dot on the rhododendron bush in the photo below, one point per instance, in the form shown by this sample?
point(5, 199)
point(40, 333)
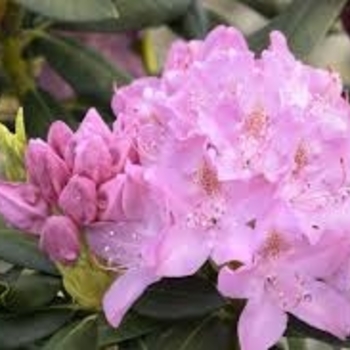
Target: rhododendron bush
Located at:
point(206, 206)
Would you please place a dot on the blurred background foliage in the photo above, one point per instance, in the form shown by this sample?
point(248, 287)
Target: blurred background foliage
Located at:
point(57, 58)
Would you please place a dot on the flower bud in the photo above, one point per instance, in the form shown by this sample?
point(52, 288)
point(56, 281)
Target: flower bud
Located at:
point(59, 136)
point(22, 207)
point(78, 199)
point(46, 170)
point(60, 239)
point(93, 159)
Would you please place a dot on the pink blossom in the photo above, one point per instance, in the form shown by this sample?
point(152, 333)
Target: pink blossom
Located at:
point(129, 245)
point(285, 273)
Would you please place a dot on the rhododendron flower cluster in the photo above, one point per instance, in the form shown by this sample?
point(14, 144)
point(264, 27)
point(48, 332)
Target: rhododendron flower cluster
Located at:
point(240, 160)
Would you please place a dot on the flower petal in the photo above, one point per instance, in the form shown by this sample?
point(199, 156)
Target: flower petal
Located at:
point(60, 239)
point(239, 283)
point(46, 169)
point(261, 324)
point(324, 308)
point(22, 206)
point(182, 252)
point(78, 199)
point(124, 292)
point(59, 136)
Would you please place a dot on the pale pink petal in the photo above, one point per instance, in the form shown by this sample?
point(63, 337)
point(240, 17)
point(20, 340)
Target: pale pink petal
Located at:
point(124, 292)
point(235, 243)
point(240, 283)
point(182, 252)
point(325, 257)
point(119, 244)
point(60, 239)
point(22, 206)
point(261, 324)
point(324, 308)
point(110, 199)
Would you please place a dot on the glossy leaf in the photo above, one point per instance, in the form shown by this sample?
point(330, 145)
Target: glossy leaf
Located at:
point(29, 292)
point(205, 334)
point(135, 15)
point(194, 23)
point(20, 249)
point(79, 335)
point(179, 298)
point(38, 113)
point(299, 329)
point(89, 74)
point(77, 10)
point(20, 330)
point(304, 23)
point(133, 326)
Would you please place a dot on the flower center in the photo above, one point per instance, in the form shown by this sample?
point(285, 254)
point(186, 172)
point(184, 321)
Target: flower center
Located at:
point(274, 246)
point(207, 179)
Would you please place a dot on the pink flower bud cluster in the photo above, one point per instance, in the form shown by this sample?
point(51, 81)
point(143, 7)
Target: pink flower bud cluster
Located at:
point(227, 157)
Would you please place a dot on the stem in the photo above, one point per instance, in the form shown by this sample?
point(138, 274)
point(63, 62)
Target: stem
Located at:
point(12, 60)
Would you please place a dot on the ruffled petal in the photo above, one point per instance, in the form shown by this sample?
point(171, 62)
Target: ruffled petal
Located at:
point(324, 308)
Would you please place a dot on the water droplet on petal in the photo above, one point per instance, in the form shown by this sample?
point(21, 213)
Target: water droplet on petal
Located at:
point(307, 297)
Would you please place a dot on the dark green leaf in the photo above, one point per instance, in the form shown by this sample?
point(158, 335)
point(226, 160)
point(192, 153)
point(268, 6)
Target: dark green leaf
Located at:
point(205, 334)
point(17, 331)
point(304, 23)
point(37, 113)
point(194, 23)
point(76, 11)
point(179, 298)
point(267, 8)
point(208, 334)
point(30, 292)
point(20, 249)
point(11, 275)
point(80, 335)
point(299, 329)
point(133, 326)
point(89, 74)
point(137, 15)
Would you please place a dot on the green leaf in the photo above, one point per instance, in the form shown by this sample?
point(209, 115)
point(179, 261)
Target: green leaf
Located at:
point(172, 299)
point(135, 15)
point(205, 334)
point(20, 249)
point(79, 335)
point(30, 292)
point(133, 326)
point(17, 331)
point(89, 74)
point(299, 329)
point(304, 23)
point(194, 23)
point(37, 113)
point(76, 11)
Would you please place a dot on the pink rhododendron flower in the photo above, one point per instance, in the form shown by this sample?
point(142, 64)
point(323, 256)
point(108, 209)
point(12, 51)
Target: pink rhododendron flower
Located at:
point(285, 273)
point(227, 137)
point(228, 157)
